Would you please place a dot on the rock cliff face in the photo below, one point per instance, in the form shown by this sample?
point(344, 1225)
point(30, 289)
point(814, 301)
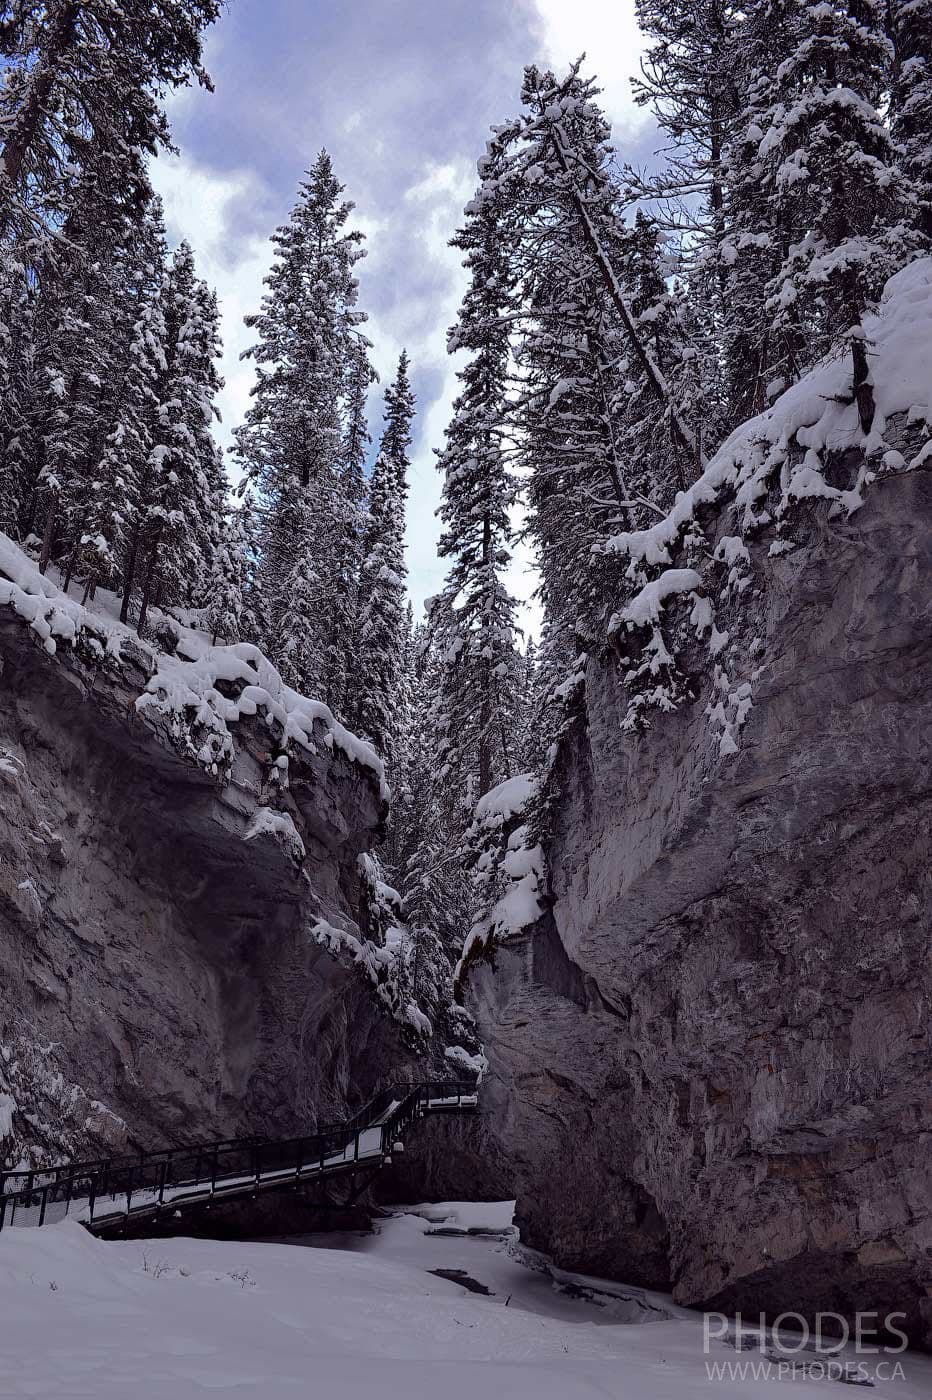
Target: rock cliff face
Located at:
point(711, 1057)
point(164, 974)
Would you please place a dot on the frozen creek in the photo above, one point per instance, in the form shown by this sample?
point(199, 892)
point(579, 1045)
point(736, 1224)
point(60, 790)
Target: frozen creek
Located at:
point(352, 1316)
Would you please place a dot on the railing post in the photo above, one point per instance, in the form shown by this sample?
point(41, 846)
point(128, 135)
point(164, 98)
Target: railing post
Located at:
point(70, 1194)
point(91, 1199)
point(162, 1175)
point(45, 1197)
point(257, 1163)
point(129, 1189)
point(213, 1172)
point(2, 1211)
point(300, 1157)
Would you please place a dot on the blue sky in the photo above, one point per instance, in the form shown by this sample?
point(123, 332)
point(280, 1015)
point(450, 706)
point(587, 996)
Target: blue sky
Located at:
point(402, 93)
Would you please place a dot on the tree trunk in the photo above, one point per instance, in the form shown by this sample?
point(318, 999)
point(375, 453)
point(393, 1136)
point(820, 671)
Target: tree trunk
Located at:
point(48, 534)
point(147, 587)
point(130, 577)
point(655, 378)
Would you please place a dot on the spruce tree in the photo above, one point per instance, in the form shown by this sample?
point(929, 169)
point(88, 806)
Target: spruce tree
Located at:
point(293, 443)
point(349, 527)
point(478, 698)
point(831, 165)
point(226, 607)
point(186, 485)
point(107, 531)
point(378, 671)
point(691, 78)
point(429, 828)
point(83, 81)
point(912, 107)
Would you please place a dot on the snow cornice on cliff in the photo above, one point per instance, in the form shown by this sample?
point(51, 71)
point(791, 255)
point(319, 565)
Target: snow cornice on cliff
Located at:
point(199, 691)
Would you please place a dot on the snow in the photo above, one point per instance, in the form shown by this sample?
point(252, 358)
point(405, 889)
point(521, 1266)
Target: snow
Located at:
point(507, 799)
point(354, 1316)
point(459, 1056)
point(183, 689)
point(645, 607)
point(515, 864)
point(7, 1109)
point(278, 825)
point(379, 964)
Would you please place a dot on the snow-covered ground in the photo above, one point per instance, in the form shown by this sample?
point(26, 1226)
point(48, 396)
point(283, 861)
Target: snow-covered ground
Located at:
point(350, 1317)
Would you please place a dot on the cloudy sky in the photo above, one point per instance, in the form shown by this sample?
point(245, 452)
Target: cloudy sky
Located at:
point(402, 93)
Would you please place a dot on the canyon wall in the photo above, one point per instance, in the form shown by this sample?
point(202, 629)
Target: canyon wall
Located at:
point(188, 948)
point(710, 1055)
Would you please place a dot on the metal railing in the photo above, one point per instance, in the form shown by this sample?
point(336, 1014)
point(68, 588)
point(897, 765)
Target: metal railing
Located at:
point(105, 1192)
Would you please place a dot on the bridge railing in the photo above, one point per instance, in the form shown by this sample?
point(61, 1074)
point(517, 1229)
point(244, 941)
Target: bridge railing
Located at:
point(168, 1177)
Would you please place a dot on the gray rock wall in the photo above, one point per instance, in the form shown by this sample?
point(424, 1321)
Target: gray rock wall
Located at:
point(158, 977)
point(711, 1059)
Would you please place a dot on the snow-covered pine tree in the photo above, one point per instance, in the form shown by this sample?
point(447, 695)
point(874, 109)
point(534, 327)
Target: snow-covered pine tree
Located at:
point(80, 342)
point(83, 81)
point(428, 827)
point(349, 528)
point(576, 480)
point(80, 105)
point(653, 469)
point(831, 164)
point(378, 666)
point(226, 606)
point(210, 496)
point(186, 487)
point(693, 75)
point(106, 534)
point(758, 360)
point(478, 699)
point(292, 444)
point(911, 106)
point(19, 443)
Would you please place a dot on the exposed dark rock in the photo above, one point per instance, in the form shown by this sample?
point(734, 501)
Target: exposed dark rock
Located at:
point(447, 1157)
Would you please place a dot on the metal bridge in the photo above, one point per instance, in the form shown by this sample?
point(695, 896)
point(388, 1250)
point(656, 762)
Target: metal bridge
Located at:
point(110, 1195)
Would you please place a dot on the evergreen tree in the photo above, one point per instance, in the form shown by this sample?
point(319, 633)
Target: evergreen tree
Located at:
point(226, 613)
point(830, 165)
point(105, 534)
point(379, 665)
point(186, 483)
point(433, 882)
point(759, 360)
point(80, 342)
point(477, 685)
point(82, 83)
point(349, 526)
point(293, 443)
point(912, 106)
point(691, 79)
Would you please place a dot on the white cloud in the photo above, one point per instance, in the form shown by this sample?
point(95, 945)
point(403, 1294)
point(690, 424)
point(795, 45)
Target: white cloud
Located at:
point(607, 31)
point(200, 205)
point(435, 206)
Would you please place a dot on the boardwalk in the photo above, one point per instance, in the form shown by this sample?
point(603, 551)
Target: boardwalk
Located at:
point(109, 1195)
